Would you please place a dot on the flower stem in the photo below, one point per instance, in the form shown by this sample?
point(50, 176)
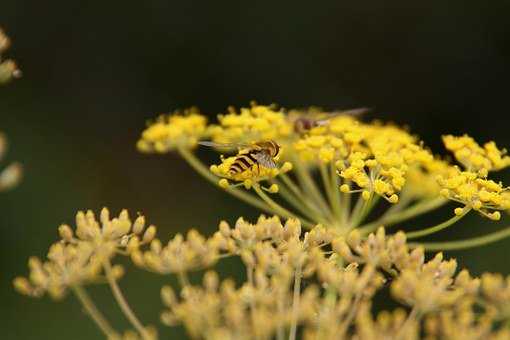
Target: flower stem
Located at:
point(299, 204)
point(199, 167)
point(410, 212)
point(330, 191)
point(466, 243)
point(278, 209)
point(438, 227)
point(93, 312)
point(359, 211)
point(295, 303)
point(183, 279)
point(311, 190)
point(121, 300)
point(346, 207)
point(410, 319)
point(335, 187)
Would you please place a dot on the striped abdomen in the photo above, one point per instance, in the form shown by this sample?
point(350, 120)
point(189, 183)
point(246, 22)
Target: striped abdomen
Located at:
point(243, 162)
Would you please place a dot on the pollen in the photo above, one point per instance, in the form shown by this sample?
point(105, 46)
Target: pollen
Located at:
point(254, 123)
point(273, 188)
point(223, 183)
point(479, 193)
point(475, 157)
point(177, 130)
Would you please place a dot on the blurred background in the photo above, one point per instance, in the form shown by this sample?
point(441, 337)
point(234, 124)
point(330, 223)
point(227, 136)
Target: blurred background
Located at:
point(95, 71)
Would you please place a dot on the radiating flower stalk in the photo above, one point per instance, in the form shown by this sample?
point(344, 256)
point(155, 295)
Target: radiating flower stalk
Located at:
point(312, 269)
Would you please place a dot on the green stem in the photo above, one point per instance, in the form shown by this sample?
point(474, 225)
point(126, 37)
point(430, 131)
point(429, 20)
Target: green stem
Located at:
point(357, 212)
point(415, 210)
point(299, 204)
point(465, 244)
point(403, 202)
point(199, 167)
point(183, 279)
point(410, 319)
point(335, 187)
point(93, 312)
point(346, 207)
point(438, 227)
point(370, 205)
point(121, 300)
point(298, 193)
point(295, 303)
point(278, 209)
point(329, 189)
point(311, 190)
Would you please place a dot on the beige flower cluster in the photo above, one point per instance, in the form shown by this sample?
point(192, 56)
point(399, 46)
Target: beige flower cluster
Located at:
point(8, 68)
point(317, 283)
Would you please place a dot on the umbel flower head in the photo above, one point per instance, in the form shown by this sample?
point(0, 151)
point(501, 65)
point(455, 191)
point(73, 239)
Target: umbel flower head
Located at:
point(67, 265)
point(334, 170)
point(78, 258)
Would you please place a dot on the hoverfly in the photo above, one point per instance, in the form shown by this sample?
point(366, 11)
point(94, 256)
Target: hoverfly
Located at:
point(260, 153)
point(305, 122)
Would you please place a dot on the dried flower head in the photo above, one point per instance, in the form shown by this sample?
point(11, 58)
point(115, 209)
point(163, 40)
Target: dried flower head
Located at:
point(8, 68)
point(12, 174)
point(67, 265)
point(80, 255)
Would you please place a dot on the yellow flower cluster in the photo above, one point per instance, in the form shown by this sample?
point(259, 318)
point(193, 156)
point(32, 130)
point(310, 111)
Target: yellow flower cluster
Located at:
point(370, 159)
point(323, 148)
point(8, 68)
point(251, 124)
point(11, 175)
point(476, 192)
point(385, 155)
point(169, 132)
point(474, 157)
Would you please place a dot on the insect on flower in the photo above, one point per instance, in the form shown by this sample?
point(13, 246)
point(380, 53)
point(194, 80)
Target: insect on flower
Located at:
point(259, 153)
point(311, 119)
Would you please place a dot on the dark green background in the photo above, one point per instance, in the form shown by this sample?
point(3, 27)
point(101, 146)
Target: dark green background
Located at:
point(95, 71)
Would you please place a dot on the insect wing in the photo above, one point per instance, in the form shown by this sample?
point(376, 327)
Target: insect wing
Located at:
point(264, 159)
point(352, 113)
point(231, 146)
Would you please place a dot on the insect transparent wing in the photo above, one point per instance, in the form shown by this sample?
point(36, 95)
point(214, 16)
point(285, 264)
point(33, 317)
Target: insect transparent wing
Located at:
point(353, 113)
point(264, 159)
point(224, 145)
